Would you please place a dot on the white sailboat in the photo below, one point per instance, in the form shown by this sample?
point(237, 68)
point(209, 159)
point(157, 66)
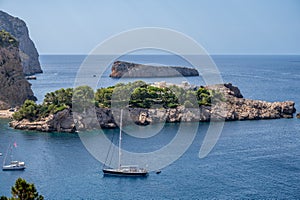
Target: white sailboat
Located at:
point(13, 165)
point(124, 170)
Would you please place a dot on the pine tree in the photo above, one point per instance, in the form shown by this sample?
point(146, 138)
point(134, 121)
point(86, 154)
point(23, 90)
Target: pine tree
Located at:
point(23, 191)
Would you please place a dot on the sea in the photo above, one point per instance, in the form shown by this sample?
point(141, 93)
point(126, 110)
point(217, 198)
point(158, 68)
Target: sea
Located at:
point(257, 159)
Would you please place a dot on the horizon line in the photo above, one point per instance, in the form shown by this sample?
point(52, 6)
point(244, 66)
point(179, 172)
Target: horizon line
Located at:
point(242, 54)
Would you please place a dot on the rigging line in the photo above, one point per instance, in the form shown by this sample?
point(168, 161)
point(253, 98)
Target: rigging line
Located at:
point(113, 150)
point(109, 149)
point(4, 161)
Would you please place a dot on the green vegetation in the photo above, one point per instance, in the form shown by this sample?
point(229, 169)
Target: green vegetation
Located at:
point(6, 39)
point(83, 98)
point(135, 95)
point(23, 191)
point(142, 95)
point(53, 103)
point(29, 110)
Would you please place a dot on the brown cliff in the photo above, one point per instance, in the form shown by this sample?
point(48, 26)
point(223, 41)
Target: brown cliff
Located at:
point(27, 51)
point(14, 88)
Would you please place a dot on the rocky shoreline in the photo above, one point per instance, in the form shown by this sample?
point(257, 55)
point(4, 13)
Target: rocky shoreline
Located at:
point(235, 107)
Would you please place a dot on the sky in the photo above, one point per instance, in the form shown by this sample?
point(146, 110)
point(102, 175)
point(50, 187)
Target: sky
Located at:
point(220, 26)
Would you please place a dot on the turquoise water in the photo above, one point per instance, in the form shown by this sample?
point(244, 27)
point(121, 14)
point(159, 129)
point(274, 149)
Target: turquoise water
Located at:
point(252, 159)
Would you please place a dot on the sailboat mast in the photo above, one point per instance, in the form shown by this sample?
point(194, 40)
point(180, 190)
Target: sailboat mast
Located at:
point(120, 138)
point(4, 161)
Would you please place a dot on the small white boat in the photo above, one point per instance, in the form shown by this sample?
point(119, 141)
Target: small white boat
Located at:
point(30, 77)
point(14, 165)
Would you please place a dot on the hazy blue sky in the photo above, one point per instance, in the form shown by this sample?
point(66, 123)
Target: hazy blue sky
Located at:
point(220, 26)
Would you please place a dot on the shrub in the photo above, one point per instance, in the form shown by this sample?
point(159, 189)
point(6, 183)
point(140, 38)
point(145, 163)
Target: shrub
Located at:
point(23, 191)
point(29, 110)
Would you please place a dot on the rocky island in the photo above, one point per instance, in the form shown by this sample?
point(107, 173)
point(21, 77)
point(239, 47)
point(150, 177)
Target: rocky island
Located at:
point(132, 70)
point(14, 88)
point(146, 104)
point(27, 51)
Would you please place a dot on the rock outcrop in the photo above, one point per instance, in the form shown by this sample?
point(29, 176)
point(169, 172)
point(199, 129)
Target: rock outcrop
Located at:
point(60, 122)
point(14, 88)
point(298, 115)
point(234, 107)
point(27, 51)
point(125, 69)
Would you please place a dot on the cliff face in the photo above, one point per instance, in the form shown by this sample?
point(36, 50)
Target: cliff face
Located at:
point(234, 107)
point(60, 122)
point(14, 88)
point(27, 51)
point(125, 69)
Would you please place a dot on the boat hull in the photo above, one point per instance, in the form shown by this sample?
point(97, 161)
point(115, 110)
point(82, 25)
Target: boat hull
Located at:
point(112, 172)
point(14, 165)
point(13, 168)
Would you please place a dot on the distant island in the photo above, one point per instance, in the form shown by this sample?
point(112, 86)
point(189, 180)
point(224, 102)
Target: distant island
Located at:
point(133, 70)
point(144, 104)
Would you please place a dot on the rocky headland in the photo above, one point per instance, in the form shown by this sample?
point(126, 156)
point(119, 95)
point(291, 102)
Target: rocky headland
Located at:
point(234, 107)
point(27, 51)
point(14, 88)
point(132, 70)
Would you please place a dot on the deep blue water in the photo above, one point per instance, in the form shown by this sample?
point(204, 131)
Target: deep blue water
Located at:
point(252, 159)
